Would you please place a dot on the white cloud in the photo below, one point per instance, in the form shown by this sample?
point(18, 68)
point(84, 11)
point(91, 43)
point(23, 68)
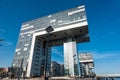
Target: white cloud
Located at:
point(99, 56)
point(57, 52)
point(7, 43)
point(2, 33)
point(61, 61)
point(106, 54)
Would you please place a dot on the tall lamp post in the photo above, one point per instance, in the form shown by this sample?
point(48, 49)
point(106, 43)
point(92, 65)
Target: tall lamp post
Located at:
point(48, 30)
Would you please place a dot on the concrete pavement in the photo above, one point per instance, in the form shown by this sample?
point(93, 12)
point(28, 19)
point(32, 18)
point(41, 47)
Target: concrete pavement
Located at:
point(53, 78)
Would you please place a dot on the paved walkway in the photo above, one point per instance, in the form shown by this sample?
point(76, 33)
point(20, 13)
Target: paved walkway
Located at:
point(53, 78)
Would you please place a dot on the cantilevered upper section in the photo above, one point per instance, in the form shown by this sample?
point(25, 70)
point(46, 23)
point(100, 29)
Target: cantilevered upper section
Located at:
point(69, 23)
point(60, 19)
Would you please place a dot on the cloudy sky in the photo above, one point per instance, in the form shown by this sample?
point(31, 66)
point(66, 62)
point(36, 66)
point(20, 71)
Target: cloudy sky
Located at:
point(103, 22)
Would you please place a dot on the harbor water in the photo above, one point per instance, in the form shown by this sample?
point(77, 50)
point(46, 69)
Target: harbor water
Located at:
point(116, 78)
point(110, 79)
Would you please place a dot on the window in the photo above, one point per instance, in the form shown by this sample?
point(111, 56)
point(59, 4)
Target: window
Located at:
point(38, 53)
point(25, 49)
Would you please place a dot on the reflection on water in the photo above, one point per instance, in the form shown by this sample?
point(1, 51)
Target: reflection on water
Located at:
point(109, 79)
point(116, 78)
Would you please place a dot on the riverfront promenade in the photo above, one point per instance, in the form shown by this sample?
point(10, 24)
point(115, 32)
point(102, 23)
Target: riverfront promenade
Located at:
point(53, 78)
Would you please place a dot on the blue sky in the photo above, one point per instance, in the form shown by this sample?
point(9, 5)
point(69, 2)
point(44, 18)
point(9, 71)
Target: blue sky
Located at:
point(103, 20)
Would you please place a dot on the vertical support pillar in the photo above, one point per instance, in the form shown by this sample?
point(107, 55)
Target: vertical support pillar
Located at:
point(69, 51)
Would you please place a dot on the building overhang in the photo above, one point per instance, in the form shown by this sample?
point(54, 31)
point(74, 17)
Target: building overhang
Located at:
point(77, 31)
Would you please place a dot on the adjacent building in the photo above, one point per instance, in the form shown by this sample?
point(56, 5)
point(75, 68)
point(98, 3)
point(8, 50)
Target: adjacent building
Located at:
point(57, 69)
point(86, 64)
point(62, 70)
point(4, 70)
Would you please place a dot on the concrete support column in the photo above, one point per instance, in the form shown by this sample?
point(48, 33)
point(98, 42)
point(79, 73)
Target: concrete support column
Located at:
point(69, 51)
point(86, 69)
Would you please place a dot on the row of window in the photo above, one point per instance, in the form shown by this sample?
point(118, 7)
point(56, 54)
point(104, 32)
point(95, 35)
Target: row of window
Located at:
point(56, 19)
point(36, 69)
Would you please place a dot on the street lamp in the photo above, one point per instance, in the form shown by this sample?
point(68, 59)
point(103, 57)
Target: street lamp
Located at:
point(48, 30)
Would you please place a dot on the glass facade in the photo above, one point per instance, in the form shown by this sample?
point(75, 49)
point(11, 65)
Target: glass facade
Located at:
point(23, 48)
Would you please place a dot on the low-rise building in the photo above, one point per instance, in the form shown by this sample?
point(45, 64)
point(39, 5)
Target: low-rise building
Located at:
point(57, 69)
point(4, 72)
point(61, 69)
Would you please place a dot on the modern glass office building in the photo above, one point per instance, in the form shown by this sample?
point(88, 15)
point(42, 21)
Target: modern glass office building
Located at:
point(70, 27)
